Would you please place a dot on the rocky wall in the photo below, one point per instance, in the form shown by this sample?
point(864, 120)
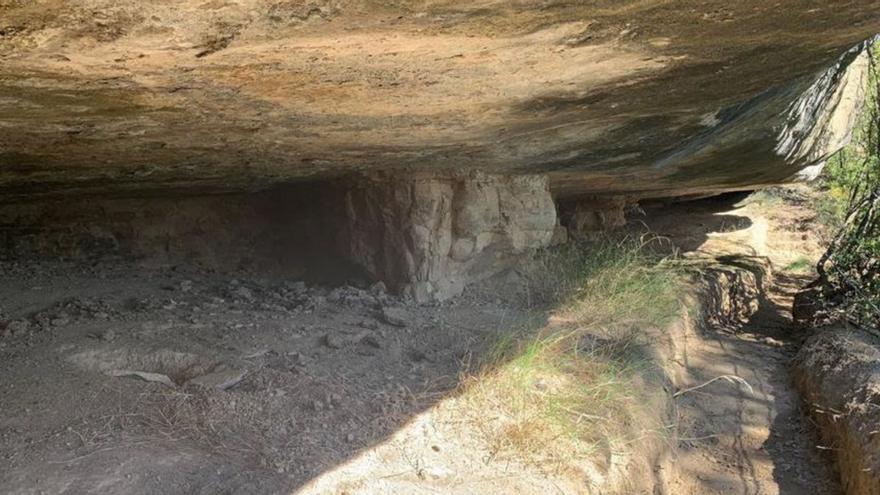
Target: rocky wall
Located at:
point(424, 235)
point(428, 235)
point(283, 230)
point(585, 216)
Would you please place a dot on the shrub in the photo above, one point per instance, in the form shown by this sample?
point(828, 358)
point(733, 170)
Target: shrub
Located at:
point(849, 271)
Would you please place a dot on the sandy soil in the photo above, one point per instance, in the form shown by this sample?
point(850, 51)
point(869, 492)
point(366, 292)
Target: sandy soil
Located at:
point(276, 387)
point(838, 372)
point(757, 441)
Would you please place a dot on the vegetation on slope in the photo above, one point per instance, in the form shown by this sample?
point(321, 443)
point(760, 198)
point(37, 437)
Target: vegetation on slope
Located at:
point(849, 271)
point(560, 390)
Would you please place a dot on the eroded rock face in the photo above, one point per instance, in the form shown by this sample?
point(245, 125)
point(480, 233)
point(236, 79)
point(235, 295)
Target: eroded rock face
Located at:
point(423, 235)
point(649, 97)
point(428, 235)
point(596, 214)
point(291, 230)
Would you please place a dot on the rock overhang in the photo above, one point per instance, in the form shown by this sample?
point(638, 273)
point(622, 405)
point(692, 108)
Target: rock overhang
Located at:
point(424, 144)
point(637, 97)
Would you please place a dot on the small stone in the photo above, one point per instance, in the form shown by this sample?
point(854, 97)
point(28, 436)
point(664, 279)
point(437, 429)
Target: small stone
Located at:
point(244, 293)
point(332, 341)
point(257, 353)
point(317, 405)
point(186, 286)
point(223, 379)
point(59, 321)
point(298, 286)
point(369, 324)
point(298, 358)
point(336, 295)
point(143, 375)
point(417, 355)
point(107, 335)
point(378, 288)
point(16, 327)
point(372, 341)
point(349, 438)
point(395, 316)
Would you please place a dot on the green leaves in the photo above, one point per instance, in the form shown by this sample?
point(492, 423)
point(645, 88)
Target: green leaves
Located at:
point(849, 271)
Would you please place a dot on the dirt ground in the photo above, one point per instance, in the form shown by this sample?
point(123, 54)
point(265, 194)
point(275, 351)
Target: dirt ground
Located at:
point(838, 373)
point(179, 380)
point(749, 439)
point(313, 376)
point(754, 441)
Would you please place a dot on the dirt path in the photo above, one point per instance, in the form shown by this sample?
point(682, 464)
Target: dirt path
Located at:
point(749, 442)
point(740, 441)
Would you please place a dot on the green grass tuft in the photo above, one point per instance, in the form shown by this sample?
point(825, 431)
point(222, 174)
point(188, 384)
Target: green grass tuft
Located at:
point(556, 392)
point(800, 265)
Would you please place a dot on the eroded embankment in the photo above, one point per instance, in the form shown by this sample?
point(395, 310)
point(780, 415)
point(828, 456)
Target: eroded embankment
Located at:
point(838, 373)
point(744, 431)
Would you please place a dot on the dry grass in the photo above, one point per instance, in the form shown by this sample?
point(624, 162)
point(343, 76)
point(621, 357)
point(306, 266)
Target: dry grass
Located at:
point(178, 414)
point(175, 415)
point(558, 393)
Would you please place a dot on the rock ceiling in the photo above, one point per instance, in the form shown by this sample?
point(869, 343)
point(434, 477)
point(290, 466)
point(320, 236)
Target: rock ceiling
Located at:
point(637, 96)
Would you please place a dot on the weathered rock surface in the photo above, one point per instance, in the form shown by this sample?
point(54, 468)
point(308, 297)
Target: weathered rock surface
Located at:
point(427, 236)
point(273, 228)
point(424, 235)
point(650, 97)
point(595, 214)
